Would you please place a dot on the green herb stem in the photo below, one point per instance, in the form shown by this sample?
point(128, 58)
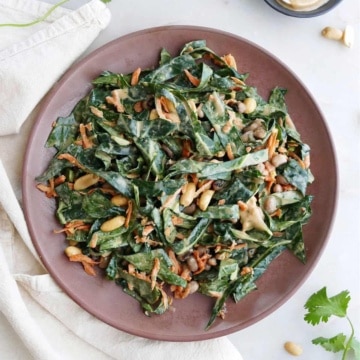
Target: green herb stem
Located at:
point(39, 19)
point(348, 343)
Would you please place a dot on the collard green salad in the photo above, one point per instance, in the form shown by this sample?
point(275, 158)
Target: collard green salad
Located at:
point(179, 179)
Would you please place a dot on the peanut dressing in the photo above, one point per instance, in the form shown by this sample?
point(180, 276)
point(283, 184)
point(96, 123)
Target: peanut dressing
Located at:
point(302, 5)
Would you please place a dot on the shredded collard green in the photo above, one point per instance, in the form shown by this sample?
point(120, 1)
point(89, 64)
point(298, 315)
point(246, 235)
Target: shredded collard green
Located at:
point(179, 179)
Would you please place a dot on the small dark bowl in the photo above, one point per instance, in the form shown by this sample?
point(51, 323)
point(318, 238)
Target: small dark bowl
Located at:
point(303, 14)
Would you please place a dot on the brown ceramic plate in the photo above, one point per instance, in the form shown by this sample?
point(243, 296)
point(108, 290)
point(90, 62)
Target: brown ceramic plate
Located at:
point(103, 298)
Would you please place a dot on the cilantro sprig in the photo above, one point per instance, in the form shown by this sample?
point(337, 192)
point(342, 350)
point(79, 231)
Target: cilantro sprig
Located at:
point(320, 308)
point(42, 17)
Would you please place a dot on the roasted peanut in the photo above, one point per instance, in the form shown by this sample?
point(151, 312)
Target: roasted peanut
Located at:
point(250, 104)
point(119, 200)
point(193, 286)
point(85, 181)
point(332, 33)
point(270, 204)
point(113, 223)
point(279, 159)
point(346, 36)
point(292, 348)
point(72, 250)
point(205, 199)
point(188, 194)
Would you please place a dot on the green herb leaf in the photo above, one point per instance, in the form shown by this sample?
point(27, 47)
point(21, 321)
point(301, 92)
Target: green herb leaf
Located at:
point(334, 344)
point(320, 307)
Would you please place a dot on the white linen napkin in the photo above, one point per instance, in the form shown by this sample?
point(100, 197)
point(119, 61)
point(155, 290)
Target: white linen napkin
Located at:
point(50, 324)
point(49, 50)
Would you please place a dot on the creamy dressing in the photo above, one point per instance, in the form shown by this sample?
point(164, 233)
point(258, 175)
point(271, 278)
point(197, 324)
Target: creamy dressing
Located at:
point(253, 217)
point(302, 5)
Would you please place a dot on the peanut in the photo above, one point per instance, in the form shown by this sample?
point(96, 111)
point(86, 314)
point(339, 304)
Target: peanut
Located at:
point(292, 348)
point(332, 33)
point(119, 200)
point(188, 194)
point(85, 181)
point(346, 36)
point(250, 104)
point(113, 223)
point(72, 250)
point(205, 199)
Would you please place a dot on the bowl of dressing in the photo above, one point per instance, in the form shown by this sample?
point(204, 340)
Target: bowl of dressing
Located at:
point(303, 8)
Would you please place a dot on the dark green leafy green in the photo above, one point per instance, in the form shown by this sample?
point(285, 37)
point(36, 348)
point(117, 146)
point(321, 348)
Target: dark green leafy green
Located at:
point(146, 140)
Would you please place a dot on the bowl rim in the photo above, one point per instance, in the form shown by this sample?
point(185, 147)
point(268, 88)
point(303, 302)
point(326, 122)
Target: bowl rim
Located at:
point(323, 9)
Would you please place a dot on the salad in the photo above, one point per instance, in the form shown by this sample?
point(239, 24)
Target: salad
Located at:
point(179, 179)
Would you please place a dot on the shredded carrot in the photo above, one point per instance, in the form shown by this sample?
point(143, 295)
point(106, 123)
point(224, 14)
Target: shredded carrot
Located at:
point(272, 143)
point(230, 61)
point(276, 213)
point(181, 293)
point(164, 103)
point(138, 107)
point(205, 186)
point(146, 240)
point(270, 181)
point(49, 190)
point(242, 205)
point(86, 261)
point(236, 246)
point(176, 267)
point(177, 220)
point(70, 227)
point(135, 77)
point(170, 199)
point(59, 180)
point(128, 213)
point(71, 159)
point(154, 272)
point(186, 148)
point(86, 142)
point(193, 79)
point(201, 261)
point(194, 178)
point(298, 159)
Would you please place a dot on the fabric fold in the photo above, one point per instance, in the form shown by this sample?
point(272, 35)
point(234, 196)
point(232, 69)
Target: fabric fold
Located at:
point(49, 323)
point(48, 52)
point(45, 291)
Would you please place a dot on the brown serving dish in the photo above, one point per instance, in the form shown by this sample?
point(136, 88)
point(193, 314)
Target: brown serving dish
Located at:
point(103, 298)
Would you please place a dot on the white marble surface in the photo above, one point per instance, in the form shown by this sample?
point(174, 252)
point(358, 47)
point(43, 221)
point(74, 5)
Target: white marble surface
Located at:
point(331, 72)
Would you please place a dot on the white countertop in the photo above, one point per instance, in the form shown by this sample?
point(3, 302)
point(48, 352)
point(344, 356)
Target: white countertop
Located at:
point(331, 72)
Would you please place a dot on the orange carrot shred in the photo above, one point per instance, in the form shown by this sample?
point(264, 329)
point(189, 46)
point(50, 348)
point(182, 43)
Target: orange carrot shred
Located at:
point(135, 77)
point(193, 79)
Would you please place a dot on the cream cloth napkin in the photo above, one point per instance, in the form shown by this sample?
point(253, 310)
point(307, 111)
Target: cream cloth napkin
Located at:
point(47, 321)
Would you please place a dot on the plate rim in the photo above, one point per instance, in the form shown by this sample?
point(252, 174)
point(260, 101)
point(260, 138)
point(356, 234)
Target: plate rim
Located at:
point(81, 63)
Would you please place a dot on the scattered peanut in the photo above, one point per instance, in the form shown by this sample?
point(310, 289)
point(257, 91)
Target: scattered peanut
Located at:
point(270, 204)
point(205, 199)
point(346, 36)
point(72, 250)
point(292, 348)
point(193, 286)
point(85, 181)
point(279, 159)
point(250, 104)
point(119, 200)
point(188, 194)
point(349, 35)
point(192, 264)
point(332, 33)
point(113, 223)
